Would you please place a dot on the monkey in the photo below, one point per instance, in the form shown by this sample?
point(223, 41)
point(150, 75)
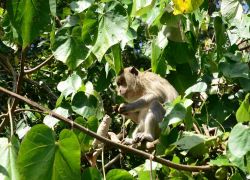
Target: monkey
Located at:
point(144, 93)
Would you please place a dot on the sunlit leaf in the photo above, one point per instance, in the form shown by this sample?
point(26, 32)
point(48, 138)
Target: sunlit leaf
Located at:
point(239, 140)
point(186, 6)
point(243, 113)
point(158, 46)
point(51, 121)
point(81, 5)
point(29, 17)
point(231, 9)
point(8, 158)
point(116, 50)
point(198, 87)
point(112, 29)
point(70, 50)
point(52, 5)
point(141, 7)
point(220, 161)
point(70, 85)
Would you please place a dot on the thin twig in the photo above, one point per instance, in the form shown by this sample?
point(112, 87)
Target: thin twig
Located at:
point(29, 71)
point(110, 163)
point(20, 78)
point(108, 141)
point(44, 87)
point(10, 118)
point(103, 169)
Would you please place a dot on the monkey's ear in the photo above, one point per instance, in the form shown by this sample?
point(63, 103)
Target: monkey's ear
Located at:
point(134, 71)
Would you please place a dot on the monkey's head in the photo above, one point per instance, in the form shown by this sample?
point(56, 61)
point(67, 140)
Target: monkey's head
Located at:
point(128, 83)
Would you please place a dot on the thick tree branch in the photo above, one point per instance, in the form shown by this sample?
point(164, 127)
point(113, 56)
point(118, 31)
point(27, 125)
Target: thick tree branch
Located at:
point(29, 71)
point(107, 141)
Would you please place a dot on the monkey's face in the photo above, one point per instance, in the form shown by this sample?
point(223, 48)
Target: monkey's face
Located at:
point(121, 86)
point(127, 83)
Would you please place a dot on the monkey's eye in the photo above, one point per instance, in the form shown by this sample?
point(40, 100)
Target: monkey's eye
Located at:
point(121, 82)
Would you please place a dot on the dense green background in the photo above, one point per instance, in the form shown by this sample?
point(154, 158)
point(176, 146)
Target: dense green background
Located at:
point(202, 48)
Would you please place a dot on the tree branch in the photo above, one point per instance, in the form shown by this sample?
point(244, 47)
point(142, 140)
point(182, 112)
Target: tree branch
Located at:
point(108, 141)
point(29, 71)
point(244, 48)
point(44, 87)
point(20, 78)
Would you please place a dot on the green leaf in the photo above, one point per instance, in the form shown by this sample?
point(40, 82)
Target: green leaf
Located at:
point(230, 9)
point(175, 115)
point(189, 141)
point(234, 70)
point(158, 46)
point(116, 50)
point(8, 165)
point(4, 172)
point(112, 29)
point(243, 113)
point(245, 84)
point(80, 6)
point(185, 79)
point(83, 105)
point(41, 157)
point(220, 161)
point(52, 5)
point(29, 17)
point(198, 87)
point(84, 139)
point(70, 85)
point(70, 50)
point(220, 35)
point(89, 27)
point(117, 174)
point(67, 157)
point(239, 140)
point(141, 7)
point(51, 121)
point(91, 173)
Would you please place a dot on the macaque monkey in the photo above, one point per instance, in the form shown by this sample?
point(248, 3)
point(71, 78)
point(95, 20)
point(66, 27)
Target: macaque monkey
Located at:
point(144, 93)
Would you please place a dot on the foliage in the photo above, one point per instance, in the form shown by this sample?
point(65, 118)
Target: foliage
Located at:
point(201, 47)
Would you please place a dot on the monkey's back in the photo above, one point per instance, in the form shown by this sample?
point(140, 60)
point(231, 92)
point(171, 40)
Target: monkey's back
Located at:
point(159, 86)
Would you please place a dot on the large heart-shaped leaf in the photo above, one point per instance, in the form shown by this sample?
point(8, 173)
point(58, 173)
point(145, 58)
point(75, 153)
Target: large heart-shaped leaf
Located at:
point(41, 157)
point(70, 50)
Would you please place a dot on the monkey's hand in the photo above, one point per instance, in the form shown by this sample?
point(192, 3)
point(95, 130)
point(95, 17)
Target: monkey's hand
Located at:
point(123, 108)
point(127, 141)
point(143, 137)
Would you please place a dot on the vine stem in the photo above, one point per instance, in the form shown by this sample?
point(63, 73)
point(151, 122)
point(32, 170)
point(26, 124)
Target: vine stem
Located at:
point(108, 141)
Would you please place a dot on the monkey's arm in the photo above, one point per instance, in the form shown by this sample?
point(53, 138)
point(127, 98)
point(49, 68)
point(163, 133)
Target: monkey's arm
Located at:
point(140, 103)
